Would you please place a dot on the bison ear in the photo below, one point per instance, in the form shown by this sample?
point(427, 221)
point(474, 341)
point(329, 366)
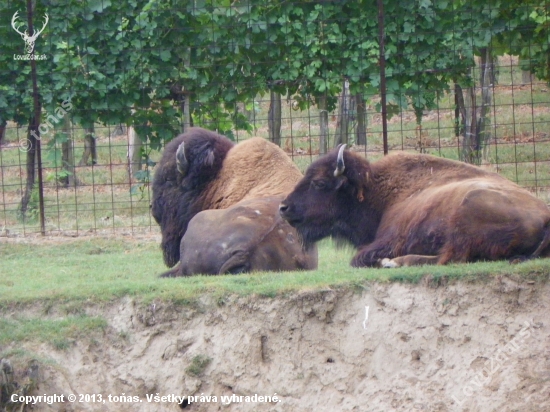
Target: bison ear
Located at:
point(340, 166)
point(360, 194)
point(181, 160)
point(340, 182)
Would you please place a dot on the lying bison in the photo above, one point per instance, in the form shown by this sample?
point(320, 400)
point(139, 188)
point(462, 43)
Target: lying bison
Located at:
point(411, 209)
point(201, 170)
point(246, 237)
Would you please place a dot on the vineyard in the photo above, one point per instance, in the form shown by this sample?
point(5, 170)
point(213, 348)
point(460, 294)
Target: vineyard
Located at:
point(82, 128)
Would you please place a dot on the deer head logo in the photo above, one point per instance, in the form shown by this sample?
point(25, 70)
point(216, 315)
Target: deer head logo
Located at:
point(29, 40)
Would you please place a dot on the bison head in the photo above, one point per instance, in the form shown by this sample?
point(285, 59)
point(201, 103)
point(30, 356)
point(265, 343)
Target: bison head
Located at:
point(189, 163)
point(327, 200)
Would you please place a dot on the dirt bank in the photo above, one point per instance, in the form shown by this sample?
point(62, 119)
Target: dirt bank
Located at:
point(461, 347)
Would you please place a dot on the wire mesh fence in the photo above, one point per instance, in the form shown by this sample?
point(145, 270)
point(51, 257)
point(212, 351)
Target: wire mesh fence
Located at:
point(85, 113)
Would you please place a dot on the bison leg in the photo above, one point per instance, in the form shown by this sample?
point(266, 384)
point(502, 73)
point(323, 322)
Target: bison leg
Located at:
point(542, 249)
point(494, 225)
point(172, 273)
point(371, 255)
point(409, 260)
point(379, 254)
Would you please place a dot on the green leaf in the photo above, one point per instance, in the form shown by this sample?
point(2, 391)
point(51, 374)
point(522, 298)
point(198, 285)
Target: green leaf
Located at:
point(165, 55)
point(98, 5)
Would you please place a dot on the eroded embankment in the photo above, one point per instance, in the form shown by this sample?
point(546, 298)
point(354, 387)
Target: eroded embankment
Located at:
point(460, 347)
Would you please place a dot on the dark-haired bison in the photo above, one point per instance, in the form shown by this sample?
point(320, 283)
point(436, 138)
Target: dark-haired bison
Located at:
point(408, 209)
point(201, 170)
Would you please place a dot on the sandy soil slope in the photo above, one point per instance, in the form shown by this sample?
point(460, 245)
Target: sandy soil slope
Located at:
point(458, 347)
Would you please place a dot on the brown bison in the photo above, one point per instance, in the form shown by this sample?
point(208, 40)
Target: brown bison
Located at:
point(408, 209)
point(249, 236)
point(201, 170)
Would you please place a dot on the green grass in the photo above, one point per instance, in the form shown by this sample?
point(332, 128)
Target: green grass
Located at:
point(58, 281)
point(57, 332)
point(96, 270)
point(198, 365)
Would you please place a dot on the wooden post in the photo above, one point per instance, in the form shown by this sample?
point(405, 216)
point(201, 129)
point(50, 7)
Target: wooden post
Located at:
point(89, 147)
point(361, 129)
point(274, 117)
point(323, 124)
point(344, 116)
point(134, 152)
point(67, 155)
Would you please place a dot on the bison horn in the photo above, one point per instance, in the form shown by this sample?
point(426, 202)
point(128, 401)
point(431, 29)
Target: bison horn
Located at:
point(181, 161)
point(340, 166)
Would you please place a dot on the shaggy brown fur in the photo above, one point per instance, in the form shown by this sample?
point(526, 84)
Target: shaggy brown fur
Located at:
point(252, 169)
point(218, 175)
point(177, 197)
point(410, 204)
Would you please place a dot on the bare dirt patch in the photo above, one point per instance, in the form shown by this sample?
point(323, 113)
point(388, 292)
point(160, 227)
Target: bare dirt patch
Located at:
point(459, 347)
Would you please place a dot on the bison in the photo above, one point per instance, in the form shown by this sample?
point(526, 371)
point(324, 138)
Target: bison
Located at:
point(408, 209)
point(249, 236)
point(201, 170)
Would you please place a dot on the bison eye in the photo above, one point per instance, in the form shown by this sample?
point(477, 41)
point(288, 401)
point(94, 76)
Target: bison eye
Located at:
point(318, 184)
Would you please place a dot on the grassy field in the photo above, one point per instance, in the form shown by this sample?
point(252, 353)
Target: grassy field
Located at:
point(55, 280)
point(101, 269)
